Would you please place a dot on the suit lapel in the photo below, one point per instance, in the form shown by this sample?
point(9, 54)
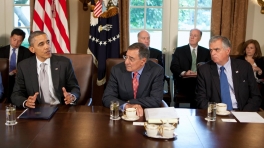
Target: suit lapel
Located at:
point(215, 76)
point(199, 55)
point(34, 75)
point(20, 54)
point(127, 80)
point(188, 53)
point(143, 80)
point(235, 76)
point(55, 71)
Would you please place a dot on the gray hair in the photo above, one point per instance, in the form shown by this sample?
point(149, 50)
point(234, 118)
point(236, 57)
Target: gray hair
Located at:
point(201, 33)
point(142, 49)
point(33, 35)
point(225, 41)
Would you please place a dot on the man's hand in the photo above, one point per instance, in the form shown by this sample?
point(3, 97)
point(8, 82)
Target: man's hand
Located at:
point(137, 106)
point(13, 72)
point(189, 72)
point(31, 101)
point(68, 98)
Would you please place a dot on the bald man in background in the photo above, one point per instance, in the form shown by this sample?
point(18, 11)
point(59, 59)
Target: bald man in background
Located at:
point(144, 37)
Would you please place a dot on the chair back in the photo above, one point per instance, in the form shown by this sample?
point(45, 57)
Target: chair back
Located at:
point(83, 69)
point(4, 69)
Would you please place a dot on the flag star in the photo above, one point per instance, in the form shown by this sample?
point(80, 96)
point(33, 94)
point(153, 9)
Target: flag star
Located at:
point(104, 43)
point(109, 40)
point(93, 38)
point(97, 40)
point(117, 36)
point(100, 42)
point(90, 37)
point(114, 38)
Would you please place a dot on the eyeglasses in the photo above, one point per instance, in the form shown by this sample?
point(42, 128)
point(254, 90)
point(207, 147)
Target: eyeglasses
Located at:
point(131, 59)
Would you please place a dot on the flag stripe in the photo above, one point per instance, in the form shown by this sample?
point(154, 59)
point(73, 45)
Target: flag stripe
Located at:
point(55, 26)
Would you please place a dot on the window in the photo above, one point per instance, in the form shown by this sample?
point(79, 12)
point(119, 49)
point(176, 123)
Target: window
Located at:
point(22, 17)
point(194, 14)
point(146, 15)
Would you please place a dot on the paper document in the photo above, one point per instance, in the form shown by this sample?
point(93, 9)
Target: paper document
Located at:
point(159, 115)
point(248, 117)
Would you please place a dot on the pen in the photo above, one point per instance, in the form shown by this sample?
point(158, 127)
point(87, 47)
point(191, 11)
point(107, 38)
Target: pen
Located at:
point(22, 113)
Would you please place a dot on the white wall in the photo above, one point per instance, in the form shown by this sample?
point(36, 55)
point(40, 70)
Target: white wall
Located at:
point(255, 24)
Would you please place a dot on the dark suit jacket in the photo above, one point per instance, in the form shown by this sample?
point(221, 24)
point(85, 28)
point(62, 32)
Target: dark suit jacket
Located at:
point(245, 86)
point(23, 53)
point(150, 89)
point(27, 79)
point(260, 64)
point(182, 61)
point(157, 54)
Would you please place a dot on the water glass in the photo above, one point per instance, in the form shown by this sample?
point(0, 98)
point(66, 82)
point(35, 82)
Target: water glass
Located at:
point(10, 115)
point(114, 110)
point(211, 111)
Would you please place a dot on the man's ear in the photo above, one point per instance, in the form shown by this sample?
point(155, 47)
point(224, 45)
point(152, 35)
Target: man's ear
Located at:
point(31, 49)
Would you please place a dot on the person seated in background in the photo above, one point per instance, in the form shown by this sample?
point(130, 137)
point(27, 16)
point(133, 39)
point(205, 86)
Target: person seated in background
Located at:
point(1, 88)
point(227, 80)
point(44, 78)
point(144, 37)
point(184, 63)
point(251, 52)
point(135, 83)
point(15, 52)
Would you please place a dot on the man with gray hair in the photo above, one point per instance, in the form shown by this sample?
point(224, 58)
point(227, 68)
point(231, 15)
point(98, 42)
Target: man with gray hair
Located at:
point(44, 78)
point(227, 80)
point(136, 82)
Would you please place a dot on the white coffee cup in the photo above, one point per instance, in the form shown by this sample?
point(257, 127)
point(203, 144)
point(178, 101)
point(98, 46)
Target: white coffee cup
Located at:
point(152, 129)
point(167, 130)
point(221, 107)
point(131, 112)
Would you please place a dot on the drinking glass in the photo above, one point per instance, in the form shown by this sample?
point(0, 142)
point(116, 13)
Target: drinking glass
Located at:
point(211, 111)
point(114, 110)
point(10, 115)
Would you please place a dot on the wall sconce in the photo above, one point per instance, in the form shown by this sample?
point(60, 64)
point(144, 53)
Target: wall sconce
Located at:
point(85, 4)
point(261, 3)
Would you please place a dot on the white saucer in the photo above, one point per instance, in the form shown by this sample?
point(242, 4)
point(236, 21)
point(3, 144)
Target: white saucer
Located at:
point(130, 119)
point(223, 113)
point(160, 137)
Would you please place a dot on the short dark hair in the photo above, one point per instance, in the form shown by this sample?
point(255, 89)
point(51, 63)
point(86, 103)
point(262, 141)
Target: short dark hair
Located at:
point(33, 35)
point(142, 48)
point(18, 32)
point(225, 41)
point(257, 53)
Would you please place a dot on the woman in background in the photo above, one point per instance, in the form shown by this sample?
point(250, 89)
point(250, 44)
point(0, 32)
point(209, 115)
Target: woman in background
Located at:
point(251, 52)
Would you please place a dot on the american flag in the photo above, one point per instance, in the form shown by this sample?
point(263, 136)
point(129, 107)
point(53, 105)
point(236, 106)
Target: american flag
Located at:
point(50, 16)
point(98, 8)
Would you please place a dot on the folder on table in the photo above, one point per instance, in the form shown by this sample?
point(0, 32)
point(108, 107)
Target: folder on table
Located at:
point(40, 112)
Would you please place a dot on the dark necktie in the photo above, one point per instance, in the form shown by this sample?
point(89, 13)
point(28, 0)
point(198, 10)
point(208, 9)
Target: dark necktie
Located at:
point(44, 84)
point(193, 68)
point(225, 93)
point(135, 84)
point(13, 60)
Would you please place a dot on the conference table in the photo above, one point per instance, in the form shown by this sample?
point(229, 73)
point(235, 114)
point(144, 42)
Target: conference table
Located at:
point(90, 127)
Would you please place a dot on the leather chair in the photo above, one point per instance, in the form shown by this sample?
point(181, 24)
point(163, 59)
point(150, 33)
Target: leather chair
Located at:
point(83, 69)
point(4, 69)
point(114, 61)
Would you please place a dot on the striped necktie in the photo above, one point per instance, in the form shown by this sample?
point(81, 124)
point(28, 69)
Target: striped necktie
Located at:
point(135, 84)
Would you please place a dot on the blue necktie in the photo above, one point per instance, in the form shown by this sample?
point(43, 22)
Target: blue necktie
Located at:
point(225, 93)
point(13, 61)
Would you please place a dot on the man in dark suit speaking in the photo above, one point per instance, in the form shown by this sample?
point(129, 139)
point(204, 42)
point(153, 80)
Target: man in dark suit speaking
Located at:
point(144, 37)
point(184, 62)
point(136, 82)
point(227, 80)
point(15, 53)
point(44, 78)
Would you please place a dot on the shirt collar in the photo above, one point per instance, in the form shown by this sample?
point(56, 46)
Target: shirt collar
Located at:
point(227, 64)
point(139, 71)
point(47, 61)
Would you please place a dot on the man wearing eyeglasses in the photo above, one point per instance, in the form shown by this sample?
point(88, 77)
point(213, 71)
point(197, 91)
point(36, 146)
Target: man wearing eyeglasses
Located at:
point(227, 80)
point(136, 82)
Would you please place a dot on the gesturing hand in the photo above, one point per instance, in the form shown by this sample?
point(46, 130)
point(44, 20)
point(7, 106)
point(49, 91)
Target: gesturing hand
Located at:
point(31, 101)
point(68, 97)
